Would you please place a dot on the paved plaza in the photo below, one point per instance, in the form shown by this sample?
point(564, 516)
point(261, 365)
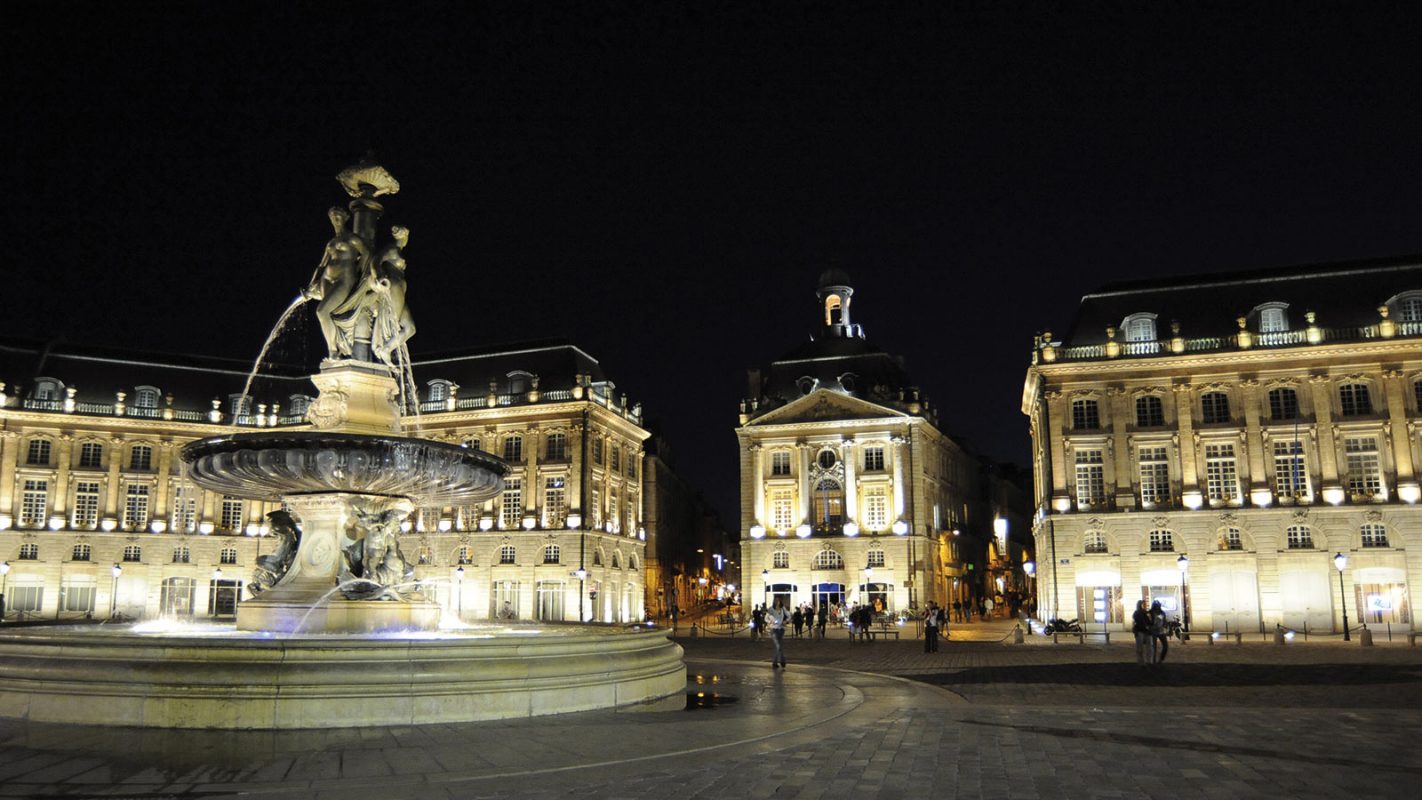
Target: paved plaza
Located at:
point(981, 718)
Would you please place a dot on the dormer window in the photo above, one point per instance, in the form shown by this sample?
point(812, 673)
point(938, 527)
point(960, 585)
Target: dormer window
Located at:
point(438, 391)
point(48, 389)
point(806, 384)
point(240, 404)
point(848, 381)
point(519, 381)
point(1273, 317)
point(298, 405)
point(1407, 307)
point(1139, 327)
point(146, 397)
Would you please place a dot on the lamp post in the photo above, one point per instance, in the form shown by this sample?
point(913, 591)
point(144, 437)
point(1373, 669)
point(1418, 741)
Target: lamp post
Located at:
point(1030, 568)
point(582, 576)
point(216, 577)
point(1341, 562)
point(868, 573)
point(1184, 564)
point(765, 593)
point(113, 590)
point(459, 587)
point(4, 580)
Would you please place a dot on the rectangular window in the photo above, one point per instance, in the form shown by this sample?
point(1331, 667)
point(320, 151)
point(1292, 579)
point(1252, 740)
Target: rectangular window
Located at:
point(596, 507)
point(34, 504)
point(78, 597)
point(135, 507)
point(233, 513)
point(511, 505)
point(1290, 471)
point(1214, 407)
point(875, 558)
point(1090, 478)
point(513, 448)
point(1150, 412)
point(1364, 474)
point(557, 447)
point(873, 459)
point(25, 598)
point(1221, 474)
point(140, 458)
point(876, 511)
point(781, 560)
point(1299, 537)
point(616, 458)
point(1085, 415)
point(185, 499)
point(780, 462)
point(555, 503)
point(614, 513)
point(1373, 535)
point(91, 455)
point(782, 511)
point(597, 450)
point(1354, 400)
point(39, 453)
point(86, 505)
point(1155, 476)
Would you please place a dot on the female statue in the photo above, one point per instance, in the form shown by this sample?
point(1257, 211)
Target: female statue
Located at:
point(342, 285)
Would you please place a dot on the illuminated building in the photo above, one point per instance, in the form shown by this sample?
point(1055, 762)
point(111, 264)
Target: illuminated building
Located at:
point(1231, 433)
point(95, 515)
point(849, 491)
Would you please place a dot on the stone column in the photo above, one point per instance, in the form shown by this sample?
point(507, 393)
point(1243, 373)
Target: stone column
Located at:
point(111, 494)
point(900, 501)
point(533, 497)
point(851, 491)
point(806, 490)
point(1253, 439)
point(9, 457)
point(1056, 441)
point(1322, 387)
point(162, 499)
point(1119, 407)
point(757, 457)
point(62, 477)
point(575, 471)
point(1401, 440)
point(1185, 449)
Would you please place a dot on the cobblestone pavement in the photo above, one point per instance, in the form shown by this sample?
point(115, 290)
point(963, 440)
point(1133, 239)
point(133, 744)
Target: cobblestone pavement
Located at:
point(881, 720)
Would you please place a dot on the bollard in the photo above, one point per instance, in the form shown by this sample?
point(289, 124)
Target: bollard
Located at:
point(1278, 634)
point(1017, 635)
point(1365, 638)
point(693, 631)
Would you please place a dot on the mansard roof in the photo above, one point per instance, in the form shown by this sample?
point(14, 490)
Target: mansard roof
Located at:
point(1343, 295)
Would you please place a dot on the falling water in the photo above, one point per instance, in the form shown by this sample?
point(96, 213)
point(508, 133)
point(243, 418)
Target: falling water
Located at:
point(261, 356)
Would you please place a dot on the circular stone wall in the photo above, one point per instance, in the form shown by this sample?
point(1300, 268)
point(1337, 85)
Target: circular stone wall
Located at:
point(255, 681)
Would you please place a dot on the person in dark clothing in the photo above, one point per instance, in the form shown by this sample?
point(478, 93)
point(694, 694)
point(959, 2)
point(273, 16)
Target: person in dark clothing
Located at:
point(1140, 627)
point(797, 619)
point(823, 618)
point(1160, 631)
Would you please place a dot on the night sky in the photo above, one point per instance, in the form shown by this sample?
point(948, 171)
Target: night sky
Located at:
point(663, 183)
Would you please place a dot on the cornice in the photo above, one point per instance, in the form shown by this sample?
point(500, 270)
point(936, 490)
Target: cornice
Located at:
point(1253, 357)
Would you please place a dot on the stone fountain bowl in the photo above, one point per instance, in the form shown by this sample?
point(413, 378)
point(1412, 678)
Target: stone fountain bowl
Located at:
point(271, 464)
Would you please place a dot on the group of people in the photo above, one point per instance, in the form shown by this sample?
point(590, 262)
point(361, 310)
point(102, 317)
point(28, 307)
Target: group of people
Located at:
point(1152, 631)
point(804, 619)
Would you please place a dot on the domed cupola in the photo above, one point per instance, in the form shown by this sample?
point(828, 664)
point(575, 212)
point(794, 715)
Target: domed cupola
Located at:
point(835, 293)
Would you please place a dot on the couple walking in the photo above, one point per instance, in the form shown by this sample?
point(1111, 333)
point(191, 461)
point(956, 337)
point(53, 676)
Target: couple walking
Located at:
point(1152, 631)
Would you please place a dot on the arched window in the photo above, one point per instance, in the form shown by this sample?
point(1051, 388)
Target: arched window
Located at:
point(1283, 404)
point(146, 397)
point(829, 505)
point(298, 404)
point(1299, 537)
point(513, 448)
point(1407, 307)
point(829, 559)
point(1150, 412)
point(506, 554)
point(597, 557)
point(437, 392)
point(1139, 327)
point(616, 560)
point(1094, 542)
point(1373, 534)
point(551, 554)
point(1231, 539)
point(1162, 541)
point(1273, 317)
point(519, 381)
point(464, 555)
point(1214, 407)
point(48, 390)
point(632, 562)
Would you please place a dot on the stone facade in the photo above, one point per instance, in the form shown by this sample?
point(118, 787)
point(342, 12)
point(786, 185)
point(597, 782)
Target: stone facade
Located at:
point(849, 491)
point(96, 517)
point(1233, 467)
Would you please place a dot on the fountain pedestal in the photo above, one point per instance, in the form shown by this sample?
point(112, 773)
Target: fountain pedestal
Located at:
point(308, 600)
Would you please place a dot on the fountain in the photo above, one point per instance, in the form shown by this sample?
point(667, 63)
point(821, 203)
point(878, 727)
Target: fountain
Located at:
point(338, 632)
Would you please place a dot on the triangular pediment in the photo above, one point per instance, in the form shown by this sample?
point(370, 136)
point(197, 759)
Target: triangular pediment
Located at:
point(824, 405)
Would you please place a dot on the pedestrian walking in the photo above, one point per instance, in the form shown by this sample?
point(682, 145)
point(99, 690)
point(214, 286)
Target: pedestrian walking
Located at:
point(930, 628)
point(957, 610)
point(1159, 631)
point(798, 620)
point(757, 623)
point(1145, 642)
point(987, 607)
point(823, 618)
point(776, 617)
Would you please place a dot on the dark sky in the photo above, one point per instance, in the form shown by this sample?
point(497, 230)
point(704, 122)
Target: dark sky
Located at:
point(663, 183)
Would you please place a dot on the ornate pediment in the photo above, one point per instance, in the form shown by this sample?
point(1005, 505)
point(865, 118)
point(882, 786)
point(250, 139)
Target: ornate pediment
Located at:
point(823, 405)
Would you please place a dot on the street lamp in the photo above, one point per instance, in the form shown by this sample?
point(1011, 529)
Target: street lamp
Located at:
point(1184, 564)
point(459, 587)
point(765, 579)
point(113, 591)
point(868, 573)
point(1341, 562)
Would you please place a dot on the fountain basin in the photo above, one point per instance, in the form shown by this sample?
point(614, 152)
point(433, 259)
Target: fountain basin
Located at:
point(235, 680)
point(270, 464)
